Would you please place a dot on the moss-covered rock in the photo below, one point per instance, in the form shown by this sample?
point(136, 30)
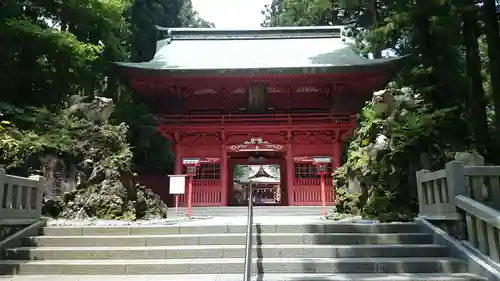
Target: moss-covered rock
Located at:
point(106, 187)
point(384, 153)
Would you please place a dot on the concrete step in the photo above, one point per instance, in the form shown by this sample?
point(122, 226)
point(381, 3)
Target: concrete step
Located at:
point(261, 228)
point(234, 266)
point(224, 251)
point(346, 277)
point(266, 277)
point(229, 239)
point(258, 211)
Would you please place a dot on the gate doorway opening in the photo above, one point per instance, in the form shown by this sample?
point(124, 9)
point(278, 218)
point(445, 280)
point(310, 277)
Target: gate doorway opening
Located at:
point(267, 188)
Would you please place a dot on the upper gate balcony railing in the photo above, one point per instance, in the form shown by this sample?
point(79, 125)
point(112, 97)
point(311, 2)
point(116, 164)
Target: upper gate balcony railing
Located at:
point(291, 119)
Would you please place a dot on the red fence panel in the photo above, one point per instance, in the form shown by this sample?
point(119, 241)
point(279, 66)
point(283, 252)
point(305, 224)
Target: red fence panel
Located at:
point(205, 193)
point(307, 192)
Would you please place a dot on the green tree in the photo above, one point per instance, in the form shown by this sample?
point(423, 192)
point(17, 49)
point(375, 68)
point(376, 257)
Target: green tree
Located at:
point(54, 49)
point(144, 16)
point(189, 17)
point(489, 14)
point(476, 95)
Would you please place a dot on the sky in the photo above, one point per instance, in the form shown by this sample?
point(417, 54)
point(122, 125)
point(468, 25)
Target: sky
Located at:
point(231, 13)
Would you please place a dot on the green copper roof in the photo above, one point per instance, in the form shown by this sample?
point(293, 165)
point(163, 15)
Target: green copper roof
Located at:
point(307, 48)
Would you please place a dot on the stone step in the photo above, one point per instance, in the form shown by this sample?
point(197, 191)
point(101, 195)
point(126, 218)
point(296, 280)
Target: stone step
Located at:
point(258, 211)
point(224, 251)
point(243, 213)
point(342, 277)
point(229, 239)
point(188, 229)
point(234, 266)
point(266, 277)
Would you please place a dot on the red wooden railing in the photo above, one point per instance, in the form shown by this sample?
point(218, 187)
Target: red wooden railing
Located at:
point(205, 193)
point(198, 183)
point(342, 120)
point(312, 181)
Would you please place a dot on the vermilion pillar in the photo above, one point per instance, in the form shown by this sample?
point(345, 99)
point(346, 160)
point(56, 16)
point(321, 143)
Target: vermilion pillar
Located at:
point(190, 194)
point(323, 194)
point(177, 166)
point(223, 176)
point(178, 159)
point(338, 147)
point(337, 153)
point(289, 174)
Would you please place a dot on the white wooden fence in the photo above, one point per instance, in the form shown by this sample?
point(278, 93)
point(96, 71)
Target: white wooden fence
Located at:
point(471, 193)
point(20, 199)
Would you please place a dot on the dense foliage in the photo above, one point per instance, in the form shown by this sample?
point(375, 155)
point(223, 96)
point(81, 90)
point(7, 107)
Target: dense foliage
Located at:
point(385, 169)
point(453, 63)
point(107, 187)
point(52, 50)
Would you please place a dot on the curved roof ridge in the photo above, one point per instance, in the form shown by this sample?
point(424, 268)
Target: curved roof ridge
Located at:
point(263, 172)
point(253, 33)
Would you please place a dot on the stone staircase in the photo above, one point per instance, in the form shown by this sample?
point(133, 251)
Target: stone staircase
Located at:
point(258, 211)
point(313, 252)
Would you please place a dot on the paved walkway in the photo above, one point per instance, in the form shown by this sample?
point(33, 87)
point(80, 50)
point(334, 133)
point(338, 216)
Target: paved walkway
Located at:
point(239, 277)
point(209, 220)
point(216, 220)
point(264, 220)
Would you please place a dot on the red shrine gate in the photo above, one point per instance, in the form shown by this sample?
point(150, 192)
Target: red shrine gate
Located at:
point(236, 97)
point(293, 151)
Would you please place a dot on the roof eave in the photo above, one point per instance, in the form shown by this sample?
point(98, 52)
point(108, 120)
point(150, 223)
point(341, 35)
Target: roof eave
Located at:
point(258, 29)
point(394, 64)
point(176, 33)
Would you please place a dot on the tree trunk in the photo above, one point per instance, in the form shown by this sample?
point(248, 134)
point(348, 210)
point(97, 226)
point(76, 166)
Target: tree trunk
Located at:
point(493, 40)
point(476, 98)
point(425, 45)
point(377, 46)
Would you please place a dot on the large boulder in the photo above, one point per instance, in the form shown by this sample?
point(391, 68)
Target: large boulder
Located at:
point(99, 164)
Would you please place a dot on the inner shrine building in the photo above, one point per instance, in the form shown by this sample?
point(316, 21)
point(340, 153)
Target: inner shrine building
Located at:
point(270, 96)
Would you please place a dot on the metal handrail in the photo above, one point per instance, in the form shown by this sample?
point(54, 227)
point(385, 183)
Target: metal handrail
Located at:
point(247, 273)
